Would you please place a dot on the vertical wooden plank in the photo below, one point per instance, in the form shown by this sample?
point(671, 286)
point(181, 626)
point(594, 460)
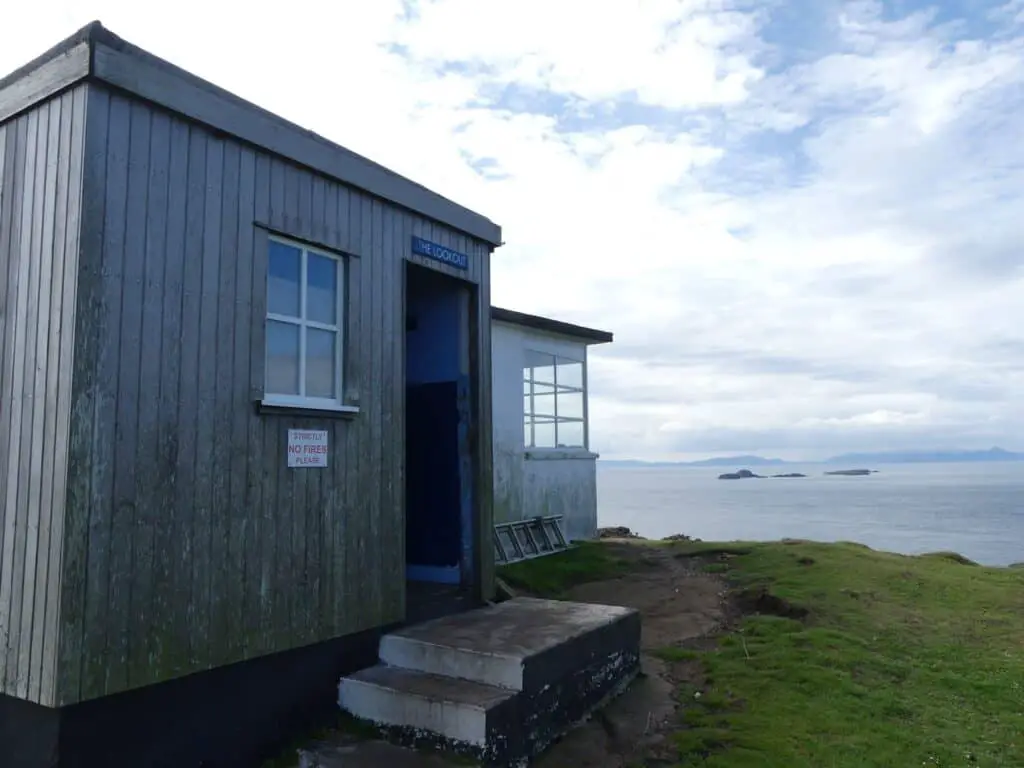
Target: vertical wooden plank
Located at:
point(99, 649)
point(24, 361)
point(359, 501)
point(244, 515)
point(396, 548)
point(123, 529)
point(205, 436)
point(5, 258)
point(260, 476)
point(67, 242)
point(34, 408)
point(284, 562)
point(485, 575)
point(79, 635)
point(390, 516)
point(187, 609)
point(6, 262)
point(225, 584)
point(150, 484)
point(10, 240)
point(278, 217)
point(170, 587)
point(51, 293)
point(345, 491)
point(8, 302)
point(372, 615)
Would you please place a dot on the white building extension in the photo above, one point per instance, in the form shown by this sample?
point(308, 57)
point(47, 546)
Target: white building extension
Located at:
point(543, 464)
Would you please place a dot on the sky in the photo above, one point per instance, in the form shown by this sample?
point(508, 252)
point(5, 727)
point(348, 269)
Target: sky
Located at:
point(803, 220)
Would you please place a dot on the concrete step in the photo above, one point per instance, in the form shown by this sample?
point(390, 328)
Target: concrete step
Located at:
point(498, 683)
point(461, 712)
point(524, 644)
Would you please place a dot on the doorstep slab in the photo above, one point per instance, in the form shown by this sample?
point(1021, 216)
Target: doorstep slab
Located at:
point(462, 712)
point(520, 644)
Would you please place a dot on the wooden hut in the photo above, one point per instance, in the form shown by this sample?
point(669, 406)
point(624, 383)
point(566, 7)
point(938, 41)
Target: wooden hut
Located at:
point(244, 412)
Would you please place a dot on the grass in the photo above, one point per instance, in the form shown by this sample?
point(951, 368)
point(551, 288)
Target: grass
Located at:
point(554, 574)
point(898, 662)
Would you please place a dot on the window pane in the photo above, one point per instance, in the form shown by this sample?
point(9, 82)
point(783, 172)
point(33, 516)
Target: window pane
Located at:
point(527, 434)
point(320, 362)
point(526, 406)
point(321, 289)
point(544, 405)
point(570, 405)
point(570, 434)
point(544, 435)
point(283, 279)
point(570, 373)
point(544, 375)
point(282, 358)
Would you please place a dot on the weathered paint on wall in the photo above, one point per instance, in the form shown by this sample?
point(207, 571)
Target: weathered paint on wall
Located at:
point(541, 482)
point(40, 185)
point(564, 485)
point(189, 544)
point(507, 429)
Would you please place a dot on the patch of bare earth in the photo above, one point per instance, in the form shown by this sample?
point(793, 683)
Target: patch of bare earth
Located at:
point(681, 606)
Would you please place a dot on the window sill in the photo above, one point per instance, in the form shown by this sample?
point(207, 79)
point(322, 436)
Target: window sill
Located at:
point(555, 454)
point(272, 407)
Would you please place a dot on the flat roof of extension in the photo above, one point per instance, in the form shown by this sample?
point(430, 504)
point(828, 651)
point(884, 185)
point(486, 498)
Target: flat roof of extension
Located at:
point(96, 54)
point(591, 335)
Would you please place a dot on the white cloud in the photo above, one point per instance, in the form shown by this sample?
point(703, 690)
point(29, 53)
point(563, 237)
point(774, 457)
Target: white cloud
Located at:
point(795, 255)
point(665, 52)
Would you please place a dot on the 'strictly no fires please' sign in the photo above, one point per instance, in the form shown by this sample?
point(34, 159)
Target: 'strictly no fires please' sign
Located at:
point(307, 448)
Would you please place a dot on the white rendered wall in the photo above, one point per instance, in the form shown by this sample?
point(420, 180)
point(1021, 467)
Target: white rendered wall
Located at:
point(538, 481)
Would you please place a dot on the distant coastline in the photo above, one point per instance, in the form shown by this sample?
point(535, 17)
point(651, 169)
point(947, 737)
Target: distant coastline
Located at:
point(888, 457)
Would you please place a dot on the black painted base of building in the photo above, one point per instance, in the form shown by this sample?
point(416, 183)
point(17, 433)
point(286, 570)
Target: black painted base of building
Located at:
point(230, 717)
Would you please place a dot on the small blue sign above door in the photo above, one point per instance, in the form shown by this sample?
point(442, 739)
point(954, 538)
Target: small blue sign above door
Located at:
point(440, 253)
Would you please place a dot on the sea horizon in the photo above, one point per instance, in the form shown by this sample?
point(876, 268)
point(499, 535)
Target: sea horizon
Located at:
point(975, 509)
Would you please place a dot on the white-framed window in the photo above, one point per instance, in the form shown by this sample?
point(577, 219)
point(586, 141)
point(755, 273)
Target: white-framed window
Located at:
point(305, 322)
point(554, 401)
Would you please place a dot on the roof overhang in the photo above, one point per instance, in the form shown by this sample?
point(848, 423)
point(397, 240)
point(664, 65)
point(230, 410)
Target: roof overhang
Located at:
point(538, 323)
point(96, 54)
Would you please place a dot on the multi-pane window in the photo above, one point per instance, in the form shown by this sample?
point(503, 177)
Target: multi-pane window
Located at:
point(304, 326)
point(553, 402)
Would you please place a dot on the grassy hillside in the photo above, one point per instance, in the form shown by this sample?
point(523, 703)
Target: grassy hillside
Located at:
point(840, 656)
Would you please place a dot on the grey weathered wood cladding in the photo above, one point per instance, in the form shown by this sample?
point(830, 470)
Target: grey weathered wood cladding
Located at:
point(189, 543)
point(41, 160)
point(149, 525)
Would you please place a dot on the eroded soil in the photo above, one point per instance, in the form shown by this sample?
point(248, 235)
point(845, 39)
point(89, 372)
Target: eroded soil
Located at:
point(681, 606)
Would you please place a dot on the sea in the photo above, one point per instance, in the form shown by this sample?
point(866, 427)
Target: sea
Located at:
point(975, 509)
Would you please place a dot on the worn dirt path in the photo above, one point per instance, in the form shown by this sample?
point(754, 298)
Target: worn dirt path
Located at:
point(681, 605)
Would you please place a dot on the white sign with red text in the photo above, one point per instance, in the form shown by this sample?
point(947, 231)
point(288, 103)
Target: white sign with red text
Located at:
point(307, 448)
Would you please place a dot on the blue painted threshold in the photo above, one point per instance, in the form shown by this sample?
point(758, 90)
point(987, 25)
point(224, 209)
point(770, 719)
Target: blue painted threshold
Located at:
point(435, 574)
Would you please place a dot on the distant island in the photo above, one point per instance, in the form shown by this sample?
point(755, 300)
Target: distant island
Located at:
point(861, 459)
point(745, 474)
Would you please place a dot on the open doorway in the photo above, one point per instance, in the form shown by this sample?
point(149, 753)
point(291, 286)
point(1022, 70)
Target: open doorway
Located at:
point(438, 461)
